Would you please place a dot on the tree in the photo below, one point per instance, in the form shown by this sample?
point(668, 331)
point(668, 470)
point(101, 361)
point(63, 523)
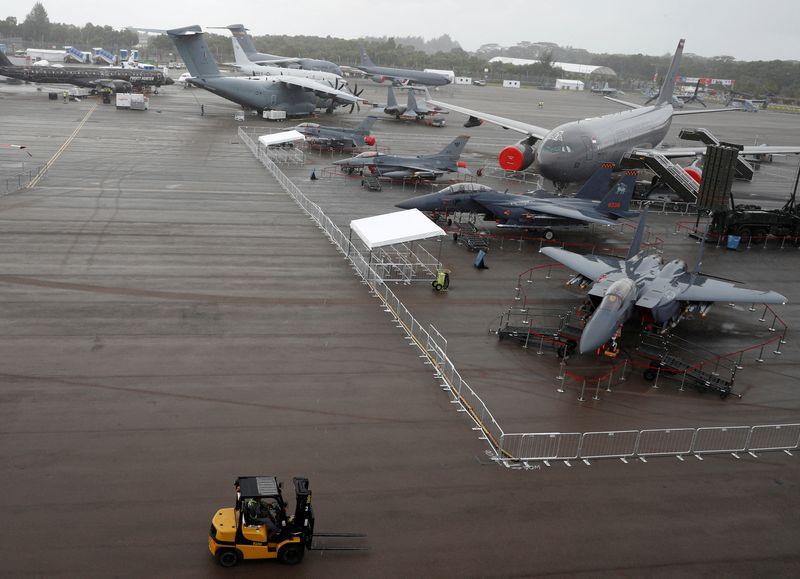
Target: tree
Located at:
point(36, 25)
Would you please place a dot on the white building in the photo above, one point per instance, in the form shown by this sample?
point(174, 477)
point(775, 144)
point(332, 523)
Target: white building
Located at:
point(567, 84)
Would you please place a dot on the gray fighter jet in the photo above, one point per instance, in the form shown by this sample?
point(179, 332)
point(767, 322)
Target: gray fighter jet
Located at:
point(594, 203)
point(338, 137)
point(662, 294)
point(399, 75)
point(246, 42)
point(410, 167)
point(91, 77)
point(572, 151)
point(413, 109)
point(294, 95)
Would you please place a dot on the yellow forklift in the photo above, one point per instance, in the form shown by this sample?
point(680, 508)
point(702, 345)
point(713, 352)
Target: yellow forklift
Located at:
point(257, 527)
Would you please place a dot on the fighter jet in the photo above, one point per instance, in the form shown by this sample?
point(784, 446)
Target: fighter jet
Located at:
point(246, 42)
point(296, 96)
point(408, 167)
point(605, 90)
point(94, 78)
point(399, 75)
point(412, 110)
point(662, 294)
point(572, 151)
point(594, 203)
point(338, 137)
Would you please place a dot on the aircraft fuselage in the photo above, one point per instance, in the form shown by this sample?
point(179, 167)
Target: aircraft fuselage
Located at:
point(573, 151)
point(260, 93)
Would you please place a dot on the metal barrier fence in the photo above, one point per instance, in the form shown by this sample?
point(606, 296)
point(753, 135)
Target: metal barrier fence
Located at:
point(19, 180)
point(642, 444)
point(514, 449)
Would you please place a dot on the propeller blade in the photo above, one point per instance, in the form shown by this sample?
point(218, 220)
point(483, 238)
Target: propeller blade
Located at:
point(352, 106)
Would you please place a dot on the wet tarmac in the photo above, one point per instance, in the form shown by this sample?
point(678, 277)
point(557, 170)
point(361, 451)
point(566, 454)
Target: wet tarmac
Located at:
point(173, 320)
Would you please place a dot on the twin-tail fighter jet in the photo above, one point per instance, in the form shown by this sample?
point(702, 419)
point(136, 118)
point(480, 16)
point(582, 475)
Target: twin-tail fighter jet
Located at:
point(338, 137)
point(662, 294)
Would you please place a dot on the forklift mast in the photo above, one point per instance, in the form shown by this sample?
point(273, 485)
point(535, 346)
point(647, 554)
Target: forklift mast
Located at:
point(304, 512)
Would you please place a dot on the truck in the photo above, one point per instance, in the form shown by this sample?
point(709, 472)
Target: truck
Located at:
point(751, 222)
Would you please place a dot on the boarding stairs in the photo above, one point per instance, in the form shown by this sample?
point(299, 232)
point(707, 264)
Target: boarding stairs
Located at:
point(103, 56)
point(670, 173)
point(744, 170)
point(75, 55)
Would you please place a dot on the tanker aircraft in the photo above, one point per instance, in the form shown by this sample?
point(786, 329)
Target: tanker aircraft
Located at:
point(572, 151)
point(295, 96)
point(399, 75)
point(662, 294)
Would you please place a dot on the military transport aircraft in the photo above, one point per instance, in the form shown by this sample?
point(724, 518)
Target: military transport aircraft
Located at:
point(410, 167)
point(399, 75)
point(572, 152)
point(246, 65)
point(662, 294)
point(91, 77)
point(338, 137)
point(240, 34)
point(295, 96)
point(594, 203)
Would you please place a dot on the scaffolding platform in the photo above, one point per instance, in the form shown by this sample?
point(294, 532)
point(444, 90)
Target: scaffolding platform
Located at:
point(559, 331)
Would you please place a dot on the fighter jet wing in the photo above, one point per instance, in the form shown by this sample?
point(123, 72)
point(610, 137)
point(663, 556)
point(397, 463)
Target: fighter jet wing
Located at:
point(592, 267)
point(319, 88)
point(568, 212)
point(519, 126)
point(706, 289)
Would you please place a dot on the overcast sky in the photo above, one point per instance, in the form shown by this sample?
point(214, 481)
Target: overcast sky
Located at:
point(747, 30)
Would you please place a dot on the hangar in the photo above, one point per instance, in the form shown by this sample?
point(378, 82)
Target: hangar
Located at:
point(586, 69)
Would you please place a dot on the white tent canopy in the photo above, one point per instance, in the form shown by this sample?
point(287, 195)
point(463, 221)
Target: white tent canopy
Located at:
point(397, 227)
point(281, 138)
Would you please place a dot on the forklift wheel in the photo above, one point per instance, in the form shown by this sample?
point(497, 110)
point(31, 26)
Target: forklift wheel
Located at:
point(227, 557)
point(291, 554)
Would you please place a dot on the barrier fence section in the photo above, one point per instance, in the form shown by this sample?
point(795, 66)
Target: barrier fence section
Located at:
point(516, 448)
point(19, 180)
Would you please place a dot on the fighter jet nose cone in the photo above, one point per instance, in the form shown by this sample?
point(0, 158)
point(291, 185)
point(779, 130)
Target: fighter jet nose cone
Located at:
point(404, 205)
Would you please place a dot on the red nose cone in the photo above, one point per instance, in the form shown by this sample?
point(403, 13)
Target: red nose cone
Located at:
point(694, 173)
point(369, 140)
point(511, 159)
point(462, 164)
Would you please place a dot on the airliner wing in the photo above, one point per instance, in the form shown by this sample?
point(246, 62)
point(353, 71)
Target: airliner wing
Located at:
point(685, 152)
point(677, 113)
point(519, 126)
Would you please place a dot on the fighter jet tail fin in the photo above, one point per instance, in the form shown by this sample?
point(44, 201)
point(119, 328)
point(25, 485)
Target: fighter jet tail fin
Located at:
point(242, 38)
point(638, 236)
point(665, 94)
point(411, 105)
point(365, 59)
point(699, 261)
point(391, 99)
point(194, 51)
point(366, 125)
point(4, 61)
point(597, 184)
point(617, 201)
point(456, 147)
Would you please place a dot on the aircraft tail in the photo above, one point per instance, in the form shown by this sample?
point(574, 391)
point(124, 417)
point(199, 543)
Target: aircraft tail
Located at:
point(366, 125)
point(4, 61)
point(456, 147)
point(365, 59)
point(638, 236)
point(411, 105)
point(391, 99)
point(597, 184)
point(194, 51)
point(668, 86)
point(617, 201)
point(239, 33)
point(239, 54)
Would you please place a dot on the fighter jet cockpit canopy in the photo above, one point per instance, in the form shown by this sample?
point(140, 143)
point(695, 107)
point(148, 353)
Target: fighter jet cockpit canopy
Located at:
point(617, 295)
point(308, 125)
point(366, 155)
point(457, 188)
